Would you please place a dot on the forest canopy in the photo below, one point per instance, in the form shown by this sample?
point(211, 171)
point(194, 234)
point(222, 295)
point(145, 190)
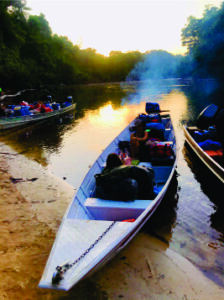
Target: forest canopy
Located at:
point(32, 56)
point(204, 39)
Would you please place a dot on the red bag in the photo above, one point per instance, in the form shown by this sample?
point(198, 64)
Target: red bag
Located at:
point(215, 154)
point(160, 150)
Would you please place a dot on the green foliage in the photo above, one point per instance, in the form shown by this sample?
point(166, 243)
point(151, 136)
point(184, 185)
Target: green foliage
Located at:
point(31, 56)
point(204, 39)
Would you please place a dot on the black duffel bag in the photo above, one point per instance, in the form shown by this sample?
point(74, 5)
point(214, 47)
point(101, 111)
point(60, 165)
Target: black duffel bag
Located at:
point(126, 183)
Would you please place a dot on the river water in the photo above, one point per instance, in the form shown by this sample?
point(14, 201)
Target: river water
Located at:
point(190, 219)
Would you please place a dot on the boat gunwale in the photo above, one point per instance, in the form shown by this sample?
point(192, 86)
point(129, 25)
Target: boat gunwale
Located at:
point(213, 166)
point(11, 122)
point(125, 237)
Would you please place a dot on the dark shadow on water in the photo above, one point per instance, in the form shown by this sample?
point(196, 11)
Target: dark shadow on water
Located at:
point(211, 186)
point(32, 140)
point(163, 220)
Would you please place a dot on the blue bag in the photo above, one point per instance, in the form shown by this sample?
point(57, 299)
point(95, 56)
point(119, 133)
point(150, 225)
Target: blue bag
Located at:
point(210, 145)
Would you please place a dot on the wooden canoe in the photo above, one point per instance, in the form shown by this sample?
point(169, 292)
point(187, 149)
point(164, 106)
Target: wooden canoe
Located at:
point(22, 121)
point(93, 230)
point(212, 163)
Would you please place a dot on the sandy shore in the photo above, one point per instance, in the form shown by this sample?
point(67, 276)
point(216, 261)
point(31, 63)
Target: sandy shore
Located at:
point(31, 209)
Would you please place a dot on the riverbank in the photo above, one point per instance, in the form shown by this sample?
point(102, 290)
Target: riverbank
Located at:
point(32, 205)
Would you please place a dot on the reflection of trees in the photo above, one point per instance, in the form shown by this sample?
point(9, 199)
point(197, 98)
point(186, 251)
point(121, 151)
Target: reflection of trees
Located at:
point(48, 136)
point(162, 222)
point(217, 221)
point(210, 185)
point(201, 93)
point(33, 140)
point(92, 96)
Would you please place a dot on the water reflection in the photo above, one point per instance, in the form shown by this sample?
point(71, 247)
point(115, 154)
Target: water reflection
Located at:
point(92, 96)
point(107, 114)
point(210, 242)
point(163, 221)
point(149, 90)
point(190, 217)
point(39, 140)
point(210, 185)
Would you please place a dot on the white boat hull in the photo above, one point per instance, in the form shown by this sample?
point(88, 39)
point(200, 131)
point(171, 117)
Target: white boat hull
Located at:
point(81, 240)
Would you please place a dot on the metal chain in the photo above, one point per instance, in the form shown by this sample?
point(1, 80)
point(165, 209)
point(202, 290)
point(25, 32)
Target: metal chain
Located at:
point(60, 270)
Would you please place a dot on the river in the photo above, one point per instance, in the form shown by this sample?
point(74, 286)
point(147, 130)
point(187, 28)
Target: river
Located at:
point(190, 219)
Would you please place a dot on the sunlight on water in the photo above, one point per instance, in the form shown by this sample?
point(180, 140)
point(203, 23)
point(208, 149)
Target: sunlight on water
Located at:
point(191, 221)
point(108, 115)
point(84, 143)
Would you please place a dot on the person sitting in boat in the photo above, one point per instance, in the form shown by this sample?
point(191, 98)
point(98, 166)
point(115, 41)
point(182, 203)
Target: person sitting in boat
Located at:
point(121, 182)
point(138, 139)
point(2, 111)
point(113, 161)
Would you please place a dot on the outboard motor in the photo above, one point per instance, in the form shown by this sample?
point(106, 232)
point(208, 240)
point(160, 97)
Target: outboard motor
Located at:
point(152, 107)
point(207, 116)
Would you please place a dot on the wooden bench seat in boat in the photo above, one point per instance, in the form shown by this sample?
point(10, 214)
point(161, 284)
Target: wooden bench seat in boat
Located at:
point(115, 210)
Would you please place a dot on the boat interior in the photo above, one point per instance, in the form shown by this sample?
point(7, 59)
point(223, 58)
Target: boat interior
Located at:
point(115, 210)
point(208, 141)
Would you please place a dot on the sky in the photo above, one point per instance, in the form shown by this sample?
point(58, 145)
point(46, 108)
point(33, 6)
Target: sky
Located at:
point(121, 25)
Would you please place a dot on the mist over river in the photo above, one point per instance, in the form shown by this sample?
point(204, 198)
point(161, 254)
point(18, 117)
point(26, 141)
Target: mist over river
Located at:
point(190, 218)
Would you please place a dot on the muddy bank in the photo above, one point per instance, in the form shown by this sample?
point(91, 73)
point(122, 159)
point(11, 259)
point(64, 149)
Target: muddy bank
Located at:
point(32, 205)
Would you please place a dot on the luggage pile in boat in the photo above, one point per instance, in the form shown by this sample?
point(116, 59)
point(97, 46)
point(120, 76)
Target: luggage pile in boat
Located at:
point(128, 178)
point(207, 139)
point(157, 149)
point(26, 109)
point(207, 132)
